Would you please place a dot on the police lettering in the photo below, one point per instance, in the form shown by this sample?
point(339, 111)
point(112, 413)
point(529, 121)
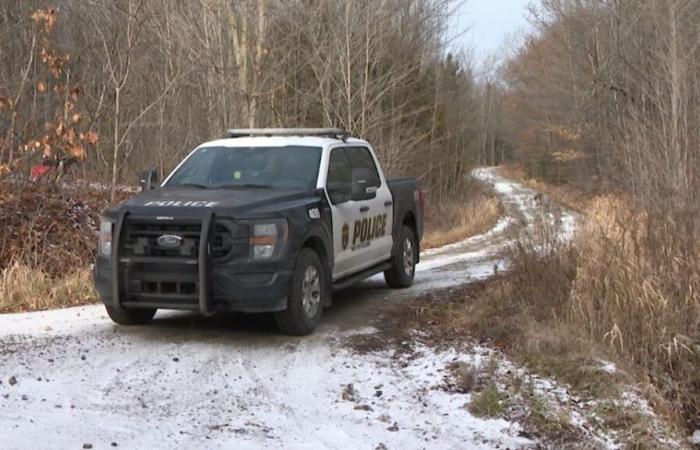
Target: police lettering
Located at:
point(369, 228)
point(196, 203)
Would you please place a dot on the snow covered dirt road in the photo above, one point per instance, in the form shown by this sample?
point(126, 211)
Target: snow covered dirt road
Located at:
point(72, 379)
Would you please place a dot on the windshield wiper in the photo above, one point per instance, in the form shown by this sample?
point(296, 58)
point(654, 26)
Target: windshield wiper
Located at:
point(194, 185)
point(244, 186)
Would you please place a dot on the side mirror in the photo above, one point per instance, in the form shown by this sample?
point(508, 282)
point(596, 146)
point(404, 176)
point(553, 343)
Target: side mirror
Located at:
point(361, 184)
point(339, 192)
point(148, 180)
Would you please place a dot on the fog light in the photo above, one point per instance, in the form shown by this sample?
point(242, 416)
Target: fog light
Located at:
point(263, 251)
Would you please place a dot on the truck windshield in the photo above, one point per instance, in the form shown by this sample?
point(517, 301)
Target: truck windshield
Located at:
point(291, 167)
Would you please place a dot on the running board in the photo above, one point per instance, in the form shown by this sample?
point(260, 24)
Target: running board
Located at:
point(352, 279)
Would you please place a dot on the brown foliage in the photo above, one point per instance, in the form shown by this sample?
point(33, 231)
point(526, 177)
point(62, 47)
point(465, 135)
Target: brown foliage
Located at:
point(48, 230)
point(46, 16)
point(60, 138)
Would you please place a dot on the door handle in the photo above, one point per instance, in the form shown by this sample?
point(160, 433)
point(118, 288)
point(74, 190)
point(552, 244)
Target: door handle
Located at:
point(388, 203)
point(364, 209)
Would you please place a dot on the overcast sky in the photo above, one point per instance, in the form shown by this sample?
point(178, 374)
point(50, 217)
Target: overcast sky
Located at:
point(489, 23)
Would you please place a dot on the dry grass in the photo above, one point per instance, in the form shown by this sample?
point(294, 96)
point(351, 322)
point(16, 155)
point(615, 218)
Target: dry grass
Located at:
point(627, 289)
point(475, 211)
point(612, 294)
point(524, 313)
point(487, 403)
point(25, 289)
point(637, 291)
point(551, 422)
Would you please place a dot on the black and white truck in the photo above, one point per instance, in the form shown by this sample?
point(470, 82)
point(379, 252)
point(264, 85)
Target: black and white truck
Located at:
point(264, 220)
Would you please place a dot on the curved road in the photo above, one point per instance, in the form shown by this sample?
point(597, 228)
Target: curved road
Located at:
point(70, 378)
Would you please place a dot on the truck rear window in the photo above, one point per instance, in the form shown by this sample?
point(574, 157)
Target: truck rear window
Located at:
point(287, 167)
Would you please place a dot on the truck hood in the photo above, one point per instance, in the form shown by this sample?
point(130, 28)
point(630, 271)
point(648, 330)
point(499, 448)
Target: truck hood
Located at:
point(191, 201)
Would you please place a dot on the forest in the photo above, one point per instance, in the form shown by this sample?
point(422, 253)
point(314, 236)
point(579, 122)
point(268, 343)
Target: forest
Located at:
point(130, 84)
point(597, 104)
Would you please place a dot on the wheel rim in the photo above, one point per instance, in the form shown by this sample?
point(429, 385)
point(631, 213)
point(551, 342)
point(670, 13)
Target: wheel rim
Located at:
point(311, 291)
point(408, 265)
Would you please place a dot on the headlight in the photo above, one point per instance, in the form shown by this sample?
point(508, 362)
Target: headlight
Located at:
point(104, 237)
point(267, 239)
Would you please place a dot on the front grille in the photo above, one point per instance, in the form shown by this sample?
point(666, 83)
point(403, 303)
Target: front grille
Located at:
point(140, 238)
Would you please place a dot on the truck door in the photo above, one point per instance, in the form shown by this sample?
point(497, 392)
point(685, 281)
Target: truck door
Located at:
point(372, 231)
point(361, 228)
point(344, 212)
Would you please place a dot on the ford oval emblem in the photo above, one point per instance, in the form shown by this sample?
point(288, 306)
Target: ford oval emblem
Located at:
point(169, 240)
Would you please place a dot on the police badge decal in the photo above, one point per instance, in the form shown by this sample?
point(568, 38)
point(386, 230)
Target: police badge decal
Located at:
point(345, 235)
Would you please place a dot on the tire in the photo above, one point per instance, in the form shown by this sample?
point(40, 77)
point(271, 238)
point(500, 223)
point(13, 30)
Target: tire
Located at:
point(307, 297)
point(130, 316)
point(404, 266)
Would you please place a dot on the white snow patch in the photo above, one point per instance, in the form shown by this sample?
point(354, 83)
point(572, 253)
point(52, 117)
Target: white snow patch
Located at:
point(172, 391)
point(695, 438)
point(607, 367)
point(502, 224)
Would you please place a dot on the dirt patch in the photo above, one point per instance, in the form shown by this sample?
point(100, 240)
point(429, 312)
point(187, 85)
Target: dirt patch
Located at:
point(397, 326)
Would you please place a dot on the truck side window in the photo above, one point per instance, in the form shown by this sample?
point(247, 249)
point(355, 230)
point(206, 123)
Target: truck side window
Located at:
point(360, 157)
point(339, 170)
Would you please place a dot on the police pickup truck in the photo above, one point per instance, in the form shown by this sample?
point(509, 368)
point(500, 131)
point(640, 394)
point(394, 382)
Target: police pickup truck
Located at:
point(264, 220)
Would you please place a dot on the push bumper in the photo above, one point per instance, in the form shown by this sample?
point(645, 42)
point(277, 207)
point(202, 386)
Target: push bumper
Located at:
point(242, 292)
point(198, 285)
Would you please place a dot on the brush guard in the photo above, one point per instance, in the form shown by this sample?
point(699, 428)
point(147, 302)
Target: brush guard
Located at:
point(204, 262)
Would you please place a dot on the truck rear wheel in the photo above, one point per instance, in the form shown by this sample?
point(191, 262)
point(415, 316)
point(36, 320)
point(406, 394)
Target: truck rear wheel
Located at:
point(130, 316)
point(307, 296)
point(404, 265)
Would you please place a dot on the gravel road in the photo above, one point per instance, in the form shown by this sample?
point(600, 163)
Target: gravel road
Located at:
point(71, 379)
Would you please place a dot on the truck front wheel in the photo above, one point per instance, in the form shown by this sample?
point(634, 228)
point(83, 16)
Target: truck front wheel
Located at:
point(404, 265)
point(130, 316)
point(307, 296)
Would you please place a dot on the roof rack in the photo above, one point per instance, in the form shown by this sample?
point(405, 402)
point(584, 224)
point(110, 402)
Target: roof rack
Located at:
point(335, 133)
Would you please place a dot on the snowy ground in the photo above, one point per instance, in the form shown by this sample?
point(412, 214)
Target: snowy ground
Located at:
point(71, 377)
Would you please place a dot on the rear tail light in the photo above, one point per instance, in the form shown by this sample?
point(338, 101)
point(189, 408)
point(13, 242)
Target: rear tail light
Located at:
point(421, 199)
